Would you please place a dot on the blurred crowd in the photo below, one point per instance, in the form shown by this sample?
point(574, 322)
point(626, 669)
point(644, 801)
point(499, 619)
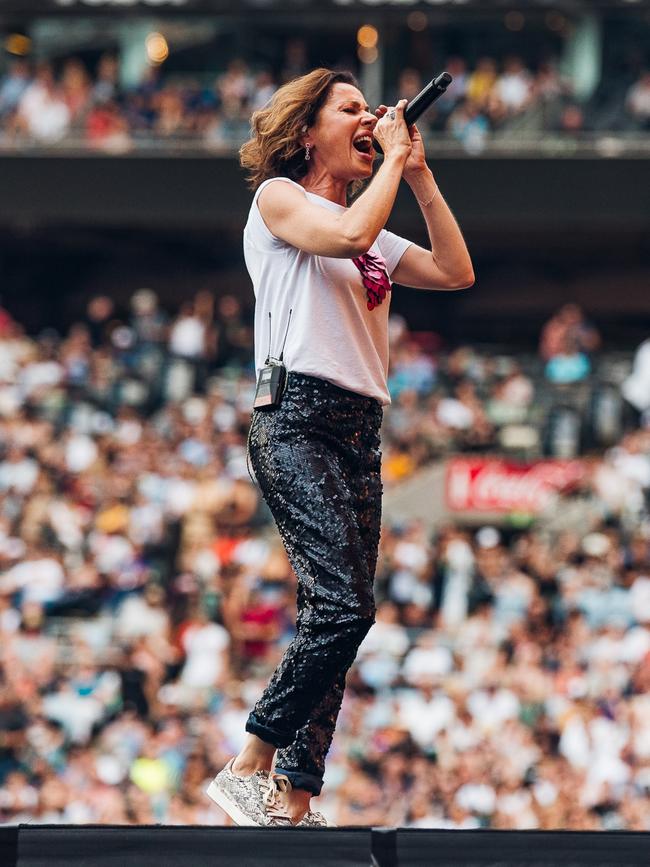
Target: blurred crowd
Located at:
point(88, 106)
point(74, 105)
point(510, 98)
point(145, 599)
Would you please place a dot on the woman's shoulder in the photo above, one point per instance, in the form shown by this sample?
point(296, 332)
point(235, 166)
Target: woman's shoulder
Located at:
point(278, 197)
point(287, 182)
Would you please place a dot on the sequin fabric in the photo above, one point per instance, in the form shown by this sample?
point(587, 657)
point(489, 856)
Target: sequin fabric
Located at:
point(374, 276)
point(317, 460)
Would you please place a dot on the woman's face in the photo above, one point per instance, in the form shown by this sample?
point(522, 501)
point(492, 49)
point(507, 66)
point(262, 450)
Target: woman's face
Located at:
point(344, 119)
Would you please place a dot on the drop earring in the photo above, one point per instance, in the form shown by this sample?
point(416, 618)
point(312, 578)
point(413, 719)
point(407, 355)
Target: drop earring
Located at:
point(307, 152)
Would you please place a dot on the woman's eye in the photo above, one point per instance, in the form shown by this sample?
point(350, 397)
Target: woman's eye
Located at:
point(349, 110)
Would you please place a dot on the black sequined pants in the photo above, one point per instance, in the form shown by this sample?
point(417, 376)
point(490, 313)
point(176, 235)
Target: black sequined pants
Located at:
point(317, 460)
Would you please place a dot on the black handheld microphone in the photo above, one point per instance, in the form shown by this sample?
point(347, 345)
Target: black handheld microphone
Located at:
point(420, 103)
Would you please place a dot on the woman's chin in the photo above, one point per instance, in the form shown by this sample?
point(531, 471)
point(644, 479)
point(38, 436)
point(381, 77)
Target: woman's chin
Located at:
point(362, 173)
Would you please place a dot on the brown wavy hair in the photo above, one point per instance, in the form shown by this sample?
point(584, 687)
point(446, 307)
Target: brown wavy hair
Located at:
point(274, 148)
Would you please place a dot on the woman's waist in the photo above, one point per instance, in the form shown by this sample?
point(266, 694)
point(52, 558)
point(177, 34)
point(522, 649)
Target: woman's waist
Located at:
point(307, 385)
point(318, 409)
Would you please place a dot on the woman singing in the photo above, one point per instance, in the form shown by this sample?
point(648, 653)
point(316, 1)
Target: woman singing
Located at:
point(316, 455)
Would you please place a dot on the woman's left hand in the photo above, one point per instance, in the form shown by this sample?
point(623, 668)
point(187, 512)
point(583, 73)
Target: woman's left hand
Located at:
point(417, 161)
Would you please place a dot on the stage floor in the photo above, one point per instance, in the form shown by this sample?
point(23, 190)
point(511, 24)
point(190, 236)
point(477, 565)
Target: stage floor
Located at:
point(171, 846)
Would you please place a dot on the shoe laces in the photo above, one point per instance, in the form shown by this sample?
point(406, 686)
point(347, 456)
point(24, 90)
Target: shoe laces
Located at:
point(274, 788)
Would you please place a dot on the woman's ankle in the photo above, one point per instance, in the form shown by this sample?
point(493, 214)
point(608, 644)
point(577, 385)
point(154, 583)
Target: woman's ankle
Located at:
point(298, 801)
point(245, 767)
point(255, 755)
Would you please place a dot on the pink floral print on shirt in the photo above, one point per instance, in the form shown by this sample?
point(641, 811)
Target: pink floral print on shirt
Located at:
point(374, 276)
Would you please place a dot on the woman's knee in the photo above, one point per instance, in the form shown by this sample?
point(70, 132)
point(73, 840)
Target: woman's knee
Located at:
point(361, 625)
point(347, 626)
point(360, 613)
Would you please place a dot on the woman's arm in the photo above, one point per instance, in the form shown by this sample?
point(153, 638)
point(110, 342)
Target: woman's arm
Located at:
point(291, 216)
point(447, 265)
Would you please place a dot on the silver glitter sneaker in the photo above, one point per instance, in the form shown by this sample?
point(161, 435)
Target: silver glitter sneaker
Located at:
point(254, 800)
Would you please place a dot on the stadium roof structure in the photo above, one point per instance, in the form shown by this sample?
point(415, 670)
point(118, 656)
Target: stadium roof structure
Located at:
point(28, 7)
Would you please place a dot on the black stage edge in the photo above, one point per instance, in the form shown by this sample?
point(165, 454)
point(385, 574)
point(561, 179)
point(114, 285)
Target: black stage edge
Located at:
point(181, 846)
point(8, 846)
point(522, 848)
point(171, 846)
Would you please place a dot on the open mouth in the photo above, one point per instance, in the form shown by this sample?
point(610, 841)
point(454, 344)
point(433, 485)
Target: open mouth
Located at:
point(364, 145)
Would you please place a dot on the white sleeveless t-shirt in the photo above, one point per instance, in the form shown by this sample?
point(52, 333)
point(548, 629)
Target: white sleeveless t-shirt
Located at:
point(333, 335)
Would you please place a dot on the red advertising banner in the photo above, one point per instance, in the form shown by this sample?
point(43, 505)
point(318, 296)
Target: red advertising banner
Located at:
point(497, 485)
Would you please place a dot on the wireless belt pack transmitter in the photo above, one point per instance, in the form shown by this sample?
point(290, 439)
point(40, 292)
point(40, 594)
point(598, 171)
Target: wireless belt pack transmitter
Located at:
point(270, 384)
point(272, 379)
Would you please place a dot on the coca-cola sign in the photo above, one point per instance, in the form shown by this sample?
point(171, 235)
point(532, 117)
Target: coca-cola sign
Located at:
point(495, 485)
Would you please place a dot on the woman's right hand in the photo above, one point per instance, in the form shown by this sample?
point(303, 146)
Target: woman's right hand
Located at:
point(392, 134)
